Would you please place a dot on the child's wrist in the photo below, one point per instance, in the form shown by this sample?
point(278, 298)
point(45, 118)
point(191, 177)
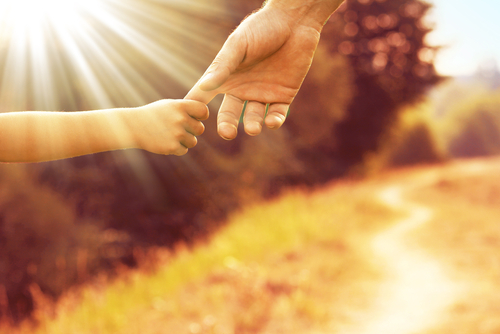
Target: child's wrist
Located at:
point(121, 123)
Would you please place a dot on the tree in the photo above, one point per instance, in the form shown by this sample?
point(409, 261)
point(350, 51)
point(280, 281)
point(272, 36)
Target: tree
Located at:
point(385, 44)
point(372, 60)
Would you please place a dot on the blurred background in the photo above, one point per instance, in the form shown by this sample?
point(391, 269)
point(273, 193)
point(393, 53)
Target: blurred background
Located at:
point(393, 83)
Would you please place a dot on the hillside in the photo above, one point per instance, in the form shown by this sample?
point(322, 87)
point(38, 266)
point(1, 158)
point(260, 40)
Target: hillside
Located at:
point(400, 252)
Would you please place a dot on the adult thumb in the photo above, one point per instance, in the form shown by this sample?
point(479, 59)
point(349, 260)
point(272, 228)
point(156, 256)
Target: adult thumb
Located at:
point(200, 95)
point(225, 63)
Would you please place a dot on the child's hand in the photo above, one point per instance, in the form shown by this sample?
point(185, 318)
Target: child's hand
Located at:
point(167, 126)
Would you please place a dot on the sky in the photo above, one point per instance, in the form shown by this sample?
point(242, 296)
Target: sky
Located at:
point(470, 32)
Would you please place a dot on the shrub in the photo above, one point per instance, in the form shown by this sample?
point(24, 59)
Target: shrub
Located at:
point(412, 140)
point(43, 241)
point(471, 128)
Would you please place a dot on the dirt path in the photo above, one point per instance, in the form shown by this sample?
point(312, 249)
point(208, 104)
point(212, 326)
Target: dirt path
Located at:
point(415, 293)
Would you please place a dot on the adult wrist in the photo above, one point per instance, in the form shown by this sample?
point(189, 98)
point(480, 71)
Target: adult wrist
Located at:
point(309, 12)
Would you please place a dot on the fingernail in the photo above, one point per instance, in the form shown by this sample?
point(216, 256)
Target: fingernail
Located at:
point(274, 122)
point(253, 129)
point(227, 131)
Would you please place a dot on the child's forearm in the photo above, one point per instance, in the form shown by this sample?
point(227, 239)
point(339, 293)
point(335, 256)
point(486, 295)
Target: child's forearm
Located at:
point(42, 136)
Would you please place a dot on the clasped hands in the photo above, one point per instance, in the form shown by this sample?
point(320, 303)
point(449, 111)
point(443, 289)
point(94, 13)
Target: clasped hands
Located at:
point(262, 64)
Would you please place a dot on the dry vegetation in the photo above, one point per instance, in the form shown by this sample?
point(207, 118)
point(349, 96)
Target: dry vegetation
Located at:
point(301, 264)
point(294, 265)
point(465, 236)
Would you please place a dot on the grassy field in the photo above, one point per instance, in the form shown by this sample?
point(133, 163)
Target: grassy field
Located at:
point(293, 265)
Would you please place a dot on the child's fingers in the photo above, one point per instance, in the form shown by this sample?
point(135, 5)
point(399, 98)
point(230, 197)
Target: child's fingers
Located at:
point(181, 150)
point(189, 141)
point(194, 127)
point(186, 142)
point(197, 110)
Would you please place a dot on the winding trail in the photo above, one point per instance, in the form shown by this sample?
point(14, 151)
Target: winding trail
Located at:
point(415, 293)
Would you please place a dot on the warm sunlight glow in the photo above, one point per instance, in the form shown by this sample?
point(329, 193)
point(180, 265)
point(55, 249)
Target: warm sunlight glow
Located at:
point(88, 54)
point(93, 54)
point(27, 17)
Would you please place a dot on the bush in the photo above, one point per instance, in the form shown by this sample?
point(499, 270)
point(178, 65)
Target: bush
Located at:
point(472, 129)
point(412, 140)
point(43, 241)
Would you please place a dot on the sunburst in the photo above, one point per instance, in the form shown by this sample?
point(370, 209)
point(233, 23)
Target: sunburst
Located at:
point(74, 54)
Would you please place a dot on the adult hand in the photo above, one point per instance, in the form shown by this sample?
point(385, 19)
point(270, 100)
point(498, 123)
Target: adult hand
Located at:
point(264, 62)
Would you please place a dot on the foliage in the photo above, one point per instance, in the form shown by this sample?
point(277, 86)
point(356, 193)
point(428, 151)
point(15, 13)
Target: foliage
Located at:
point(385, 43)
point(413, 139)
point(42, 242)
point(472, 128)
point(372, 61)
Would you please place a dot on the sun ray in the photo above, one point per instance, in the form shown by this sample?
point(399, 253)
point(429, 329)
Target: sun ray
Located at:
point(46, 44)
point(92, 54)
point(165, 58)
